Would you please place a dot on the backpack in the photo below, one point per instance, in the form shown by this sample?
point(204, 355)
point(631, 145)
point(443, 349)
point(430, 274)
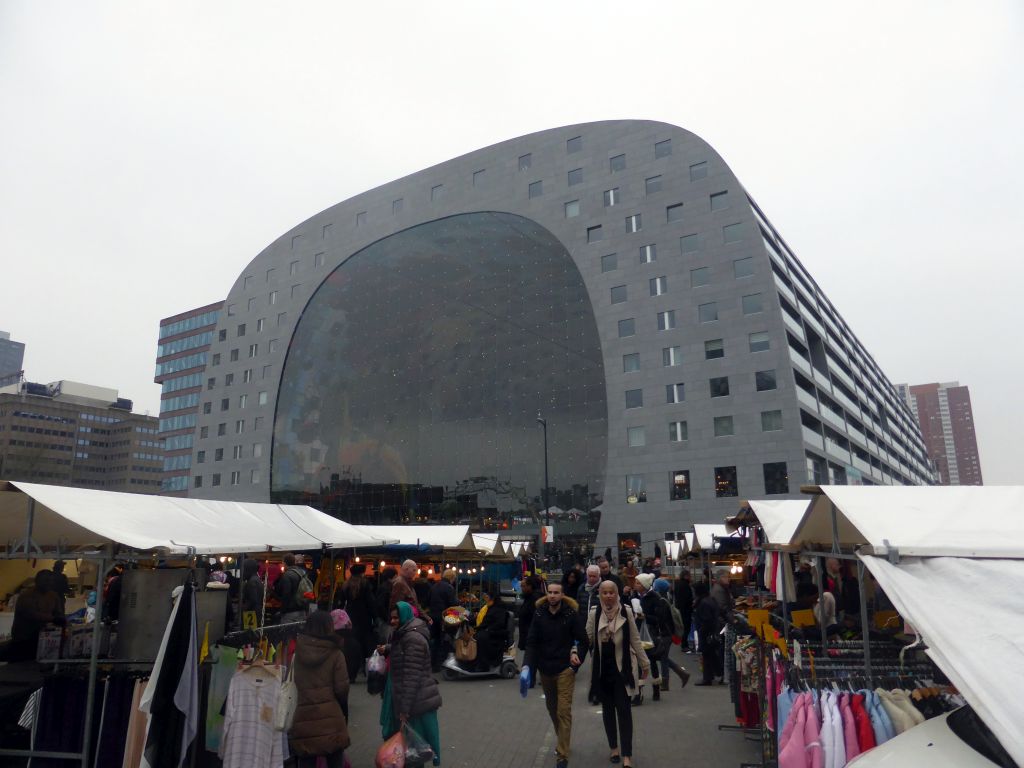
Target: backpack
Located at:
point(304, 586)
point(678, 626)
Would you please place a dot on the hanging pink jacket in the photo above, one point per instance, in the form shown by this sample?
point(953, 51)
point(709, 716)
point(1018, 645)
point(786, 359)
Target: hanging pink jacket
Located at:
point(849, 727)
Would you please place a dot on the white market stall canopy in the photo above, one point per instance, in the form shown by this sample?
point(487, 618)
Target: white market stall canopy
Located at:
point(960, 521)
point(779, 519)
point(704, 535)
point(63, 519)
point(451, 538)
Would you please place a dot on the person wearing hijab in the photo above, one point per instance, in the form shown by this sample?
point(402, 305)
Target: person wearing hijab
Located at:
point(411, 694)
point(618, 666)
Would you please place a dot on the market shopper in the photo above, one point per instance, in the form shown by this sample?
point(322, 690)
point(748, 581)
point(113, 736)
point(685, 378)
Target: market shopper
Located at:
point(571, 583)
point(619, 663)
point(684, 603)
point(531, 589)
point(708, 620)
point(411, 694)
point(442, 597)
point(320, 728)
point(588, 597)
point(356, 598)
point(36, 607)
point(492, 638)
point(402, 587)
point(658, 618)
point(289, 589)
point(607, 574)
point(556, 647)
point(252, 589)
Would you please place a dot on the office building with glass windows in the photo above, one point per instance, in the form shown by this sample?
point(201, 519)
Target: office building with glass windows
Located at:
point(389, 358)
point(181, 359)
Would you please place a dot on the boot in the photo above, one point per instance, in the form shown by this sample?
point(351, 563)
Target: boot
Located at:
point(684, 676)
point(656, 693)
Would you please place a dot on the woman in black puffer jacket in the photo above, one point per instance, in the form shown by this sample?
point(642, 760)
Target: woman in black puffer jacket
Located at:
point(411, 695)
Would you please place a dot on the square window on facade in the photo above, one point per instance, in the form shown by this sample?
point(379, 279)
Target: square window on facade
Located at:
point(652, 184)
point(247, 375)
point(478, 177)
point(295, 290)
point(258, 423)
point(719, 200)
point(270, 274)
point(723, 426)
point(318, 260)
point(771, 421)
point(254, 476)
point(732, 233)
point(216, 479)
point(272, 297)
point(679, 485)
point(254, 350)
point(222, 334)
point(764, 381)
point(247, 282)
point(671, 356)
point(436, 191)
point(536, 189)
point(674, 212)
point(609, 262)
point(293, 268)
point(272, 346)
point(575, 177)
point(218, 454)
point(257, 450)
point(617, 163)
point(525, 161)
point(211, 383)
point(197, 481)
point(575, 144)
point(282, 318)
point(612, 197)
point(595, 234)
point(260, 324)
point(636, 489)
point(618, 293)
point(726, 483)
point(667, 320)
point(232, 308)
point(700, 276)
point(753, 304)
point(719, 386)
point(698, 171)
point(572, 209)
point(204, 433)
point(200, 457)
point(631, 362)
point(714, 349)
point(241, 329)
point(659, 286)
point(689, 243)
point(633, 223)
point(648, 253)
point(627, 327)
point(262, 398)
point(265, 372)
point(225, 403)
point(635, 437)
point(251, 305)
point(760, 342)
point(776, 478)
point(662, 148)
point(207, 408)
point(222, 429)
point(236, 452)
point(677, 432)
point(743, 267)
point(634, 398)
point(707, 313)
point(243, 400)
point(361, 218)
point(233, 355)
point(396, 206)
point(240, 426)
point(675, 393)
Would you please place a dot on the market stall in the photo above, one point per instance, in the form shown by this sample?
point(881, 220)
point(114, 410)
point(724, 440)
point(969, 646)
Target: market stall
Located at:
point(40, 521)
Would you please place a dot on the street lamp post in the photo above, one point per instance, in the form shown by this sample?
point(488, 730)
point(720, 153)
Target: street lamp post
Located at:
point(547, 507)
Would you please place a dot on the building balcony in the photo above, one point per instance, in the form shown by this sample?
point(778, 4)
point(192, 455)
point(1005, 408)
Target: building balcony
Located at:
point(813, 438)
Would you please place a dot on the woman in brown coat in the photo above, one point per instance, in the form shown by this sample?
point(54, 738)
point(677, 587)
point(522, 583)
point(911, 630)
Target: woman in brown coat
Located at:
point(321, 675)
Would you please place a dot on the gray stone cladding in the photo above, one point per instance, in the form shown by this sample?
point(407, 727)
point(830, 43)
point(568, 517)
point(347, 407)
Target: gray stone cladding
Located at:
point(270, 293)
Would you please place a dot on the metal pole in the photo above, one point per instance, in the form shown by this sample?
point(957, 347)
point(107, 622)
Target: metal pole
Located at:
point(835, 527)
point(821, 591)
point(864, 622)
point(547, 506)
point(93, 662)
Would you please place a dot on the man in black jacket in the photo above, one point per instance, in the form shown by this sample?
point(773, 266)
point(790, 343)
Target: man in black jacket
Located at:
point(293, 606)
point(442, 597)
point(555, 648)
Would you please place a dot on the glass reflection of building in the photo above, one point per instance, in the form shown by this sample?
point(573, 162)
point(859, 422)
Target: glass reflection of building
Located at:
point(414, 377)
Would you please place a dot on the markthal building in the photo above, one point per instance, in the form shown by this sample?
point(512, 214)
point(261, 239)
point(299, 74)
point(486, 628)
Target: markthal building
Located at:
point(389, 358)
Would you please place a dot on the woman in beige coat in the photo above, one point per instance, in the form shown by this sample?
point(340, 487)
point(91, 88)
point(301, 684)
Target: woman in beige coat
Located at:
point(619, 663)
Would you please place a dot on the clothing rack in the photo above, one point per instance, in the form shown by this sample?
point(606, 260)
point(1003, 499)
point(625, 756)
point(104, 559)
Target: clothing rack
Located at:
point(242, 637)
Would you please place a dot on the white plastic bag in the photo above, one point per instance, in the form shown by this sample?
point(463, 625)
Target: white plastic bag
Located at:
point(376, 663)
point(287, 702)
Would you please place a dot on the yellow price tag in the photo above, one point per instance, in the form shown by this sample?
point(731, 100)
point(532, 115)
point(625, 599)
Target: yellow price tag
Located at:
point(249, 620)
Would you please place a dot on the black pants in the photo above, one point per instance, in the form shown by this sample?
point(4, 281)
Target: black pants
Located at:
point(615, 706)
point(334, 760)
point(711, 653)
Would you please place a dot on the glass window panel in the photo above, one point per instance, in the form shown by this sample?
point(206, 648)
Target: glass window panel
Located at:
point(776, 478)
point(663, 148)
point(726, 483)
point(525, 161)
point(674, 212)
point(765, 381)
point(675, 393)
point(536, 189)
point(575, 144)
point(627, 327)
point(635, 437)
point(679, 485)
point(671, 356)
point(689, 243)
point(677, 432)
point(611, 197)
point(707, 313)
point(719, 386)
point(634, 398)
point(631, 362)
point(609, 262)
point(575, 177)
point(595, 234)
point(700, 276)
point(698, 171)
point(714, 349)
point(732, 233)
point(723, 426)
point(572, 209)
point(636, 489)
point(743, 267)
point(753, 304)
point(618, 294)
point(760, 341)
point(617, 163)
point(771, 421)
point(719, 200)
point(652, 185)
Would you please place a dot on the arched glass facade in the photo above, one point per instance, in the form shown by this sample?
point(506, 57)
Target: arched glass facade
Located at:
point(412, 384)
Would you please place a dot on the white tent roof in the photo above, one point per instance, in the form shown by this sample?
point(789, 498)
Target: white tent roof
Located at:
point(69, 518)
point(972, 521)
point(449, 537)
point(779, 518)
point(971, 614)
point(704, 534)
point(488, 544)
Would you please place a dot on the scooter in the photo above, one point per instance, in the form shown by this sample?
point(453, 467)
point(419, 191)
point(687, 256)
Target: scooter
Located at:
point(453, 669)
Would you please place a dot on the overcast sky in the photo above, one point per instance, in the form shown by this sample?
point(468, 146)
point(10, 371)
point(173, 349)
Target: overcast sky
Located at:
point(148, 151)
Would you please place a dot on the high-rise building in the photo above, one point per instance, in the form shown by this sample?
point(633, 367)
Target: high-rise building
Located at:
point(181, 360)
point(12, 359)
point(67, 433)
point(390, 358)
point(944, 414)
